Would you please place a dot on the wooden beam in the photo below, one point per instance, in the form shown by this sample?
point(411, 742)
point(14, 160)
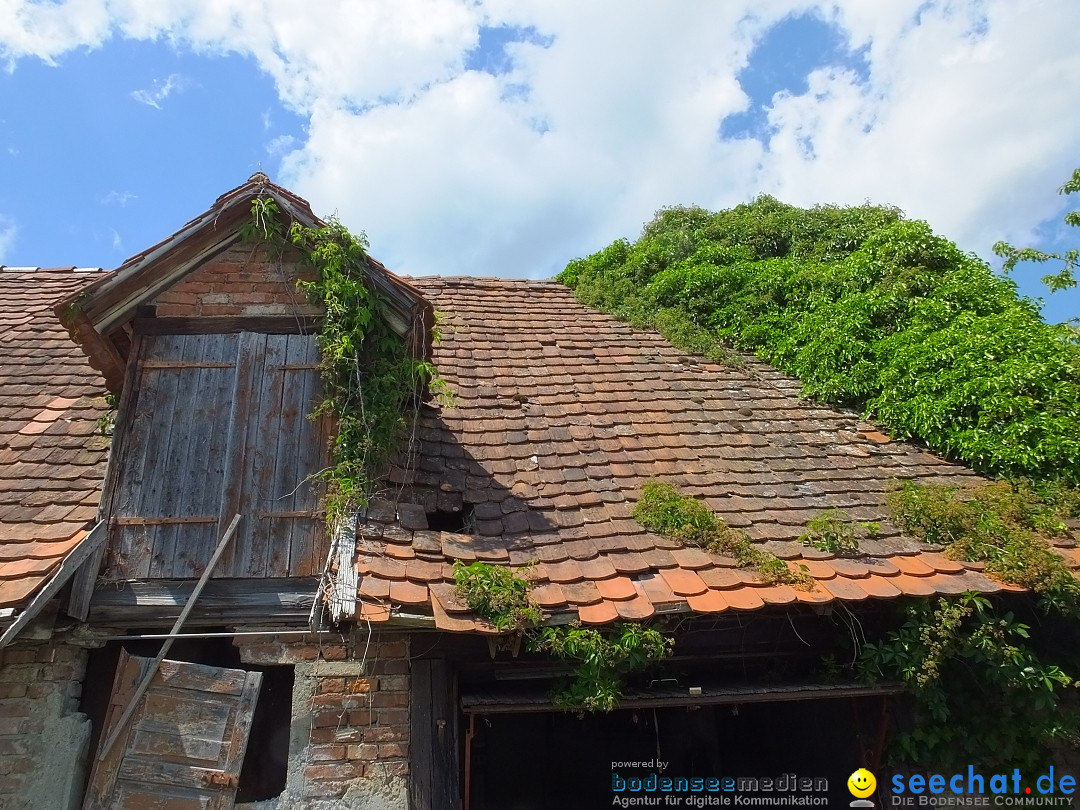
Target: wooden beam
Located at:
point(156, 603)
point(219, 325)
point(87, 546)
point(118, 729)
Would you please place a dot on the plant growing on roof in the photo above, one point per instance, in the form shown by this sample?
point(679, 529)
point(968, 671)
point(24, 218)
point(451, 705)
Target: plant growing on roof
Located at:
point(1008, 527)
point(835, 532)
point(867, 310)
point(367, 370)
point(603, 658)
point(498, 594)
point(663, 510)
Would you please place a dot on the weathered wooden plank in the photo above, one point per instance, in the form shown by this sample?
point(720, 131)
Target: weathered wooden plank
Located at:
point(164, 711)
point(82, 586)
point(174, 675)
point(203, 493)
point(186, 364)
point(175, 472)
point(264, 430)
point(288, 473)
point(172, 746)
point(310, 543)
point(219, 325)
point(421, 736)
point(242, 426)
point(162, 521)
point(147, 486)
point(121, 724)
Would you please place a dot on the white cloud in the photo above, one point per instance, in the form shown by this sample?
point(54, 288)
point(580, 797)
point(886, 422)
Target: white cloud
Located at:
point(121, 198)
point(161, 90)
point(967, 118)
point(8, 232)
point(281, 145)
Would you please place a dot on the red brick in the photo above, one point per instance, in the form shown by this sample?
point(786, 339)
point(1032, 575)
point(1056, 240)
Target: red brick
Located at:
point(365, 752)
point(394, 683)
point(323, 753)
point(393, 717)
point(362, 685)
point(391, 750)
point(327, 719)
point(360, 717)
point(12, 690)
point(391, 666)
point(337, 770)
point(390, 700)
point(15, 708)
point(326, 736)
point(331, 685)
point(392, 649)
point(386, 734)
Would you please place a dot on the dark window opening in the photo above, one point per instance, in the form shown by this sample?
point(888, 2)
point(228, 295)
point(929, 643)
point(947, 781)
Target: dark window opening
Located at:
point(557, 759)
point(265, 766)
point(460, 521)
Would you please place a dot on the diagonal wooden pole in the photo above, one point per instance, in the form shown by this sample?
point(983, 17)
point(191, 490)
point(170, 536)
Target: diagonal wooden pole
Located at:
point(129, 710)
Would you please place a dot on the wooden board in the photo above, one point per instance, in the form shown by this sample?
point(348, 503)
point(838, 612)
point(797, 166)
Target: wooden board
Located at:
point(184, 745)
point(435, 762)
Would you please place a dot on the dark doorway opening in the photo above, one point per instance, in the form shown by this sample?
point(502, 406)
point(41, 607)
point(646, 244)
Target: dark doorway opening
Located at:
point(266, 760)
point(556, 759)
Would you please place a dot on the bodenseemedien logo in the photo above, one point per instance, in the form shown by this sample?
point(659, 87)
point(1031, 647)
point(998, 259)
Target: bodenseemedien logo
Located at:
point(862, 784)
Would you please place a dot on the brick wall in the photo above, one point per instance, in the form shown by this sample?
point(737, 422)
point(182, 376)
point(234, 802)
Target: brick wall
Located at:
point(43, 737)
point(245, 280)
point(349, 741)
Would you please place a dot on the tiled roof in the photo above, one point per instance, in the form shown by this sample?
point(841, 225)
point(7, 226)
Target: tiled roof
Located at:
point(563, 414)
point(52, 458)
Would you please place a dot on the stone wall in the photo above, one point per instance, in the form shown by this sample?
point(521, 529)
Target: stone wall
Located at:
point(349, 734)
point(43, 736)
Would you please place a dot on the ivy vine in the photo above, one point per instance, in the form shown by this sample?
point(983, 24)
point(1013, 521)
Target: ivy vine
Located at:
point(367, 369)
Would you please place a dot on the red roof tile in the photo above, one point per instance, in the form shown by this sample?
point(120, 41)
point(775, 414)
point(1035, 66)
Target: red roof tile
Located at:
point(52, 456)
point(563, 414)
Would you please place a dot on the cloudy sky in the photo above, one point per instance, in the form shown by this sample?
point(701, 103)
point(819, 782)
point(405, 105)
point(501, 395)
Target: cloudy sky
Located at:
point(505, 137)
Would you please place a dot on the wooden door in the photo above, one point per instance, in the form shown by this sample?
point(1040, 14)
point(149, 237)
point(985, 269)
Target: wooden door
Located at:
point(184, 745)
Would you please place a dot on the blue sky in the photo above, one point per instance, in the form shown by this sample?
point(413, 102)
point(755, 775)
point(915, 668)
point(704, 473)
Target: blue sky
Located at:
point(499, 138)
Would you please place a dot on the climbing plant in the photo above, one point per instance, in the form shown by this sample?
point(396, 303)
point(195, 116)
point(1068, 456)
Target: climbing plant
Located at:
point(602, 658)
point(663, 510)
point(981, 694)
point(835, 532)
point(367, 370)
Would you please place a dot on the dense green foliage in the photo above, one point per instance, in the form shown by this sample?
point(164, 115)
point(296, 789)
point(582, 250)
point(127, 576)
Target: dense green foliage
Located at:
point(980, 693)
point(663, 510)
point(868, 310)
point(498, 594)
point(368, 373)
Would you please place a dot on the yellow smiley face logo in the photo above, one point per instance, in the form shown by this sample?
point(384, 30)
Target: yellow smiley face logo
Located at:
point(861, 783)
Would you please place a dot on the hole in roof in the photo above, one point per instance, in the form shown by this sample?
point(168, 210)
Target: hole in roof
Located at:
point(455, 521)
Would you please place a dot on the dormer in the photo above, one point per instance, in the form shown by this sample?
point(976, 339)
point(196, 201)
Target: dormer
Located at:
point(212, 351)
